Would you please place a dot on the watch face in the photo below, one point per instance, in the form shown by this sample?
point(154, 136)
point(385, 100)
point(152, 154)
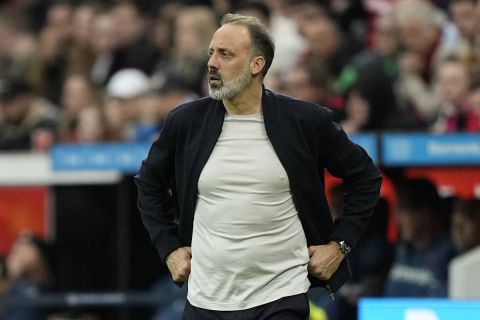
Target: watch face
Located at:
point(346, 249)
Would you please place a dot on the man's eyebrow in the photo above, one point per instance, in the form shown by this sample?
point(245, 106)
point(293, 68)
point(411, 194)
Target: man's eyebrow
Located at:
point(221, 49)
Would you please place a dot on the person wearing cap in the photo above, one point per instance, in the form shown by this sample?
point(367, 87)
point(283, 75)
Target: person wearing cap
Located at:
point(232, 192)
point(126, 105)
point(27, 121)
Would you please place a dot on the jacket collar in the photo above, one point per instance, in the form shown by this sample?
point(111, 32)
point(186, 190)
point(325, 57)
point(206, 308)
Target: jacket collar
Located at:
point(269, 103)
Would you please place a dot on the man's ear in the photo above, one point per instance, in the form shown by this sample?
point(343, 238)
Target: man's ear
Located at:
point(257, 64)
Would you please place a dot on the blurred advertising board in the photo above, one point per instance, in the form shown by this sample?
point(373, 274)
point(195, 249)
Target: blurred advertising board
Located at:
point(123, 157)
point(418, 309)
point(412, 149)
point(367, 141)
point(127, 157)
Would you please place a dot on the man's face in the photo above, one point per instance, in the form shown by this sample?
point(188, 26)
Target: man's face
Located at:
point(229, 70)
point(24, 260)
point(13, 110)
point(411, 223)
point(464, 16)
point(415, 37)
point(453, 83)
point(465, 231)
point(301, 87)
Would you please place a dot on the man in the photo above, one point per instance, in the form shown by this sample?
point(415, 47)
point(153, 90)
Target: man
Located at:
point(465, 227)
point(232, 192)
point(27, 122)
point(424, 249)
point(29, 269)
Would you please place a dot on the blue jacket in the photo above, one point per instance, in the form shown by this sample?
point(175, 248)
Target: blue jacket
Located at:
point(306, 142)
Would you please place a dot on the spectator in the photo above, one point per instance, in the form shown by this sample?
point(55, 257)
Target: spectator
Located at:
point(310, 82)
point(305, 12)
point(29, 121)
point(91, 126)
point(162, 100)
point(424, 249)
point(49, 65)
point(29, 266)
point(474, 95)
point(255, 9)
point(326, 45)
point(473, 58)
point(221, 7)
point(104, 42)
point(161, 36)
point(289, 43)
point(81, 55)
point(368, 80)
point(456, 113)
point(127, 92)
point(466, 224)
point(34, 11)
point(370, 262)
point(458, 34)
point(352, 18)
point(17, 46)
point(78, 95)
point(420, 26)
point(59, 17)
point(193, 29)
point(134, 48)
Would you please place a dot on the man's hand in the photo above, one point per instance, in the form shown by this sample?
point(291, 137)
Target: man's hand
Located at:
point(178, 262)
point(324, 260)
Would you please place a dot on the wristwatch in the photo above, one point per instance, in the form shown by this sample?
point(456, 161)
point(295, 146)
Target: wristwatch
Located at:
point(344, 247)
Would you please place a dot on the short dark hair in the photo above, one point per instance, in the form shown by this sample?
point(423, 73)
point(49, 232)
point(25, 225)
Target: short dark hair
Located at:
point(468, 207)
point(12, 88)
point(418, 193)
point(262, 42)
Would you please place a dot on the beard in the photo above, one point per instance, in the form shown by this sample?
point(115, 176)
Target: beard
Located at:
point(229, 89)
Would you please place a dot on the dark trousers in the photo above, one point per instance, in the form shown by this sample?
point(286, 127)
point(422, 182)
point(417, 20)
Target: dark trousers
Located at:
point(288, 308)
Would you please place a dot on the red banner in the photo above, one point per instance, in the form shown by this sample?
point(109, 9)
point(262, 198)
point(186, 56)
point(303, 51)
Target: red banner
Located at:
point(22, 209)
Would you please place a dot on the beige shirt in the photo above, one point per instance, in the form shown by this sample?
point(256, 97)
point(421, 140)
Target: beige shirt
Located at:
point(248, 245)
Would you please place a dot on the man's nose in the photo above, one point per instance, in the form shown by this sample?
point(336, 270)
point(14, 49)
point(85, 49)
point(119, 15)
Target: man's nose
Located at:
point(212, 62)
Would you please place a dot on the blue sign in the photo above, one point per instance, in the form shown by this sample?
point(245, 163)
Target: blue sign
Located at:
point(418, 309)
point(367, 141)
point(123, 157)
point(428, 149)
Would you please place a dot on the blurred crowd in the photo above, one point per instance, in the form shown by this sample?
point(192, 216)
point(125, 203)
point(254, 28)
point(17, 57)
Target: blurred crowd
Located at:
point(108, 71)
point(94, 71)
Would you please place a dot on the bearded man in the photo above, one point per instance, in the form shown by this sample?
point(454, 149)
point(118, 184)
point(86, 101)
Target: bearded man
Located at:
point(232, 192)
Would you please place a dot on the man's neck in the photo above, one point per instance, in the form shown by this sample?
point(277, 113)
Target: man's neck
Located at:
point(249, 101)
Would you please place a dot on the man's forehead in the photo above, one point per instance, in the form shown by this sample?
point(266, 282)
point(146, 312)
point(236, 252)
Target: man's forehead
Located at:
point(231, 36)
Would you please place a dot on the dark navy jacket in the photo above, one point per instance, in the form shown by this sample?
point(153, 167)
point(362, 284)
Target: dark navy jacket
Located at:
point(306, 142)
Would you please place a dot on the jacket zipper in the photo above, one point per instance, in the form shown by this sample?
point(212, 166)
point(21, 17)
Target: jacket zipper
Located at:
point(330, 291)
point(327, 286)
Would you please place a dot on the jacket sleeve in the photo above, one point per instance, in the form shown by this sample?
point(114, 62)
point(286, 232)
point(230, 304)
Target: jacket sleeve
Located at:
point(156, 201)
point(362, 180)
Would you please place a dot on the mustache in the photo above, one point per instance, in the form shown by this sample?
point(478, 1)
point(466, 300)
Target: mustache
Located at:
point(214, 74)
